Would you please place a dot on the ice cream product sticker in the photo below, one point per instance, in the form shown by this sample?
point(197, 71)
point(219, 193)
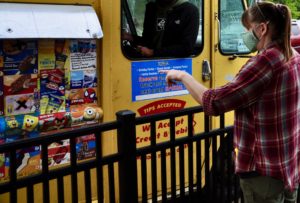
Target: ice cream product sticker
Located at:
point(81, 96)
point(20, 84)
point(20, 104)
point(59, 153)
point(52, 82)
point(20, 57)
point(83, 54)
point(46, 57)
point(1, 58)
point(2, 165)
point(83, 79)
point(54, 121)
point(19, 126)
point(54, 104)
point(85, 147)
point(85, 114)
point(1, 96)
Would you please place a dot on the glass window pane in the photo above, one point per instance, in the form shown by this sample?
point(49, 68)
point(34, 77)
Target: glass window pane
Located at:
point(231, 41)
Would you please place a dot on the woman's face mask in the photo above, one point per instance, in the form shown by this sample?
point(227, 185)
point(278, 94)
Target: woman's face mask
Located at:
point(250, 40)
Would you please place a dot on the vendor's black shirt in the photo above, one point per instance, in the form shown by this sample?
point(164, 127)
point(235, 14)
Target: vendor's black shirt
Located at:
point(180, 29)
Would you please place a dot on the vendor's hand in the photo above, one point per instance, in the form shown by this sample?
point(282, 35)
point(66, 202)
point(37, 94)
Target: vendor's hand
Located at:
point(146, 51)
point(173, 76)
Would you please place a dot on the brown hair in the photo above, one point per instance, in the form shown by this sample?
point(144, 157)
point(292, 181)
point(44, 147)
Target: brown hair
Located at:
point(278, 17)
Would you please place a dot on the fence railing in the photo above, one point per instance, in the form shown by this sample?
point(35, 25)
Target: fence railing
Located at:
point(194, 167)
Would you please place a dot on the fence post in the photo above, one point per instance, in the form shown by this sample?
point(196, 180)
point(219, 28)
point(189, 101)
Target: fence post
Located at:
point(127, 149)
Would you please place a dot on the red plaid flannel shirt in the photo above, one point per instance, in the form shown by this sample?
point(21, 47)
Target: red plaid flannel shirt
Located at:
point(265, 95)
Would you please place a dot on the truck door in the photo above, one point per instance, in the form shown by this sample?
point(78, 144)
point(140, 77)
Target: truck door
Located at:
point(228, 50)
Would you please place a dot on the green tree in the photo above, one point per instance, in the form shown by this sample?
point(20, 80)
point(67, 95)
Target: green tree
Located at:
point(294, 5)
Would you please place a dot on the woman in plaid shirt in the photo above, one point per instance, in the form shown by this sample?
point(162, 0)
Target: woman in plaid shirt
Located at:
point(265, 96)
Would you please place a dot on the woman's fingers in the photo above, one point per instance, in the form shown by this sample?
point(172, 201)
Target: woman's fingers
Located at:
point(170, 79)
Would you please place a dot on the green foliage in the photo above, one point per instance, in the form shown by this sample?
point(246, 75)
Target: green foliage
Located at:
point(294, 5)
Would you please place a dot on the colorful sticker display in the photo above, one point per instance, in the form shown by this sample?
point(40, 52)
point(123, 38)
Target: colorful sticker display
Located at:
point(46, 85)
point(53, 79)
point(59, 152)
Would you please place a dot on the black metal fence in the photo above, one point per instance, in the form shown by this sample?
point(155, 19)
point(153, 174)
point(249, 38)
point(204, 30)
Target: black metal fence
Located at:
point(195, 168)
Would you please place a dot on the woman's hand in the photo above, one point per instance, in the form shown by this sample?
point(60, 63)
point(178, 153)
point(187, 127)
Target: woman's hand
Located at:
point(193, 86)
point(173, 76)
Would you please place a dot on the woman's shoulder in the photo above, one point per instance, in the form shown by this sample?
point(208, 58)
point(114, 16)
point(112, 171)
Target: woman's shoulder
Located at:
point(273, 53)
point(295, 59)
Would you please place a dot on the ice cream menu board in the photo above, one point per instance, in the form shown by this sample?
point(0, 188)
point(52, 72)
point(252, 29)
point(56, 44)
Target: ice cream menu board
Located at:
point(46, 85)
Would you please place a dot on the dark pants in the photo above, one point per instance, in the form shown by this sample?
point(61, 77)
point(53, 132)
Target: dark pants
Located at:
point(263, 189)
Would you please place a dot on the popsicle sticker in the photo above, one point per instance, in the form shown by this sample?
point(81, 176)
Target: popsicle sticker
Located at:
point(20, 57)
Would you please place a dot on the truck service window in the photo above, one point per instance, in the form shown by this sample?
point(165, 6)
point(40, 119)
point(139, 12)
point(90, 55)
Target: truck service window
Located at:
point(132, 24)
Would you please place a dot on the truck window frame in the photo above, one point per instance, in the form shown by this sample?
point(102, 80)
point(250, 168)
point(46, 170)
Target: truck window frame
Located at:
point(231, 28)
point(132, 18)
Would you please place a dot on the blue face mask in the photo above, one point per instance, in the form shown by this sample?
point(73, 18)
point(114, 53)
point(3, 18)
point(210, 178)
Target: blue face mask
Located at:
point(250, 40)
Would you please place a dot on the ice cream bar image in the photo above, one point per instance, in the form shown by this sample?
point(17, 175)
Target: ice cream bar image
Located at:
point(26, 64)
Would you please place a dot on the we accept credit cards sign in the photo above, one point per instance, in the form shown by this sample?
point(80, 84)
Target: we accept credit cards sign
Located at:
point(148, 83)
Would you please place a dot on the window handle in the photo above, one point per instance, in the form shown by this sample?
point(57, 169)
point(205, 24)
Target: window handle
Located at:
point(219, 31)
point(206, 71)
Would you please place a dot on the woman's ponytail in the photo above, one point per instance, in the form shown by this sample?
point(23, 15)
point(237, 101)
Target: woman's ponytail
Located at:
point(285, 38)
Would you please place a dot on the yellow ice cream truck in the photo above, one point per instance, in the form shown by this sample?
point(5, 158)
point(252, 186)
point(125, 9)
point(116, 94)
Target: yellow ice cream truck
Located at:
point(66, 63)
